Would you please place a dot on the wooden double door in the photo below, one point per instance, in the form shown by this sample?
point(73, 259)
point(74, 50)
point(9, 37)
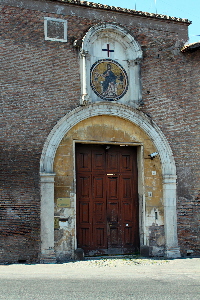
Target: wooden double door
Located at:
point(107, 199)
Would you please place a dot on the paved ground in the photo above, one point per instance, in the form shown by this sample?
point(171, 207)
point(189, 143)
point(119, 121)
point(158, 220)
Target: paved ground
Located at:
point(113, 279)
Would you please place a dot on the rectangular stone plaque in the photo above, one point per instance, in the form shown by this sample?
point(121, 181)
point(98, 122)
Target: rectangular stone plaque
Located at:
point(55, 29)
point(63, 202)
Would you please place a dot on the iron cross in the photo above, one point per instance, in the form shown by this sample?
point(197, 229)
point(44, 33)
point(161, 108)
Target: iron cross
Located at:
point(108, 50)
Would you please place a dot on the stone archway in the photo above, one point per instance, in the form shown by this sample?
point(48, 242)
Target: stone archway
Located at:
point(157, 137)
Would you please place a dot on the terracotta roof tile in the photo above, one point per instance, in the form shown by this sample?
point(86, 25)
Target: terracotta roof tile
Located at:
point(125, 10)
point(191, 47)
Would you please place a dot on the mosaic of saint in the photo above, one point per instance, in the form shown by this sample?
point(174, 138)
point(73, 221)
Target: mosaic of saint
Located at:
point(108, 79)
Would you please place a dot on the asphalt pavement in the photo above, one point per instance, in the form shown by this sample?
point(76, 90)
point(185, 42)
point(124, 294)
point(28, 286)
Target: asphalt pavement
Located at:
point(104, 278)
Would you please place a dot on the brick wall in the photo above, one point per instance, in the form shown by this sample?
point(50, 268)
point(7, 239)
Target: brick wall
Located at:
point(171, 98)
point(41, 84)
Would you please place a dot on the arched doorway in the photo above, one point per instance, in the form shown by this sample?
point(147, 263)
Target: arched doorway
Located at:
point(115, 124)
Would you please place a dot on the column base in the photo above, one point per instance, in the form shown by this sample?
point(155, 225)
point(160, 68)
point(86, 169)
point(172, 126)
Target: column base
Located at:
point(48, 258)
point(173, 252)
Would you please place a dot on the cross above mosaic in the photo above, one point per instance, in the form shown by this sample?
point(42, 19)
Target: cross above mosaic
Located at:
point(108, 79)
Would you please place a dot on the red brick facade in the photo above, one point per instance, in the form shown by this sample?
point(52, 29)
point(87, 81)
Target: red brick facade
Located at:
point(41, 84)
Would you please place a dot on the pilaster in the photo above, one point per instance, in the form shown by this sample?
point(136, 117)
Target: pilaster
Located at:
point(171, 239)
point(47, 218)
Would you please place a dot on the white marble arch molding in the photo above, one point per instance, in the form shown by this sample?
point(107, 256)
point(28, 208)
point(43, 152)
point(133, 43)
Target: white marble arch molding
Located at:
point(118, 33)
point(162, 147)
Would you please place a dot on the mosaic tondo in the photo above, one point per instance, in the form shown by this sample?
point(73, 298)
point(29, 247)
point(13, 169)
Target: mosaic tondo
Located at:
point(109, 80)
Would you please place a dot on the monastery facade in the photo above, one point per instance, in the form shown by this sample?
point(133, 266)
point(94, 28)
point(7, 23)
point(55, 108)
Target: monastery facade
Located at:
point(99, 133)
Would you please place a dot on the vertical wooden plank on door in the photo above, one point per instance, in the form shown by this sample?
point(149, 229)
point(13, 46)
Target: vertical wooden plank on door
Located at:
point(99, 212)
point(83, 182)
point(129, 199)
point(98, 198)
point(113, 212)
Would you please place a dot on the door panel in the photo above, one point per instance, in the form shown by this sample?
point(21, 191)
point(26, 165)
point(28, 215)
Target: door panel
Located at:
point(84, 238)
point(99, 212)
point(98, 187)
point(126, 163)
point(84, 160)
point(107, 203)
point(84, 210)
point(127, 212)
point(98, 161)
point(128, 236)
point(99, 238)
point(112, 187)
point(112, 161)
point(126, 187)
point(113, 211)
point(83, 181)
point(114, 240)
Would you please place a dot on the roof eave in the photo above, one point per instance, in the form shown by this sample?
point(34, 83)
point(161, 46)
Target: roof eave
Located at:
point(122, 10)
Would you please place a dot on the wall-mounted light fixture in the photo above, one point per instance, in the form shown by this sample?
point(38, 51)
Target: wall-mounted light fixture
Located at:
point(153, 155)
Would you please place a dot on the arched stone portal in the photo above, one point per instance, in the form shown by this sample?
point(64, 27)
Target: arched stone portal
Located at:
point(83, 116)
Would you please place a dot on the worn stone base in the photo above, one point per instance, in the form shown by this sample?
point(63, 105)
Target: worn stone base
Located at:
point(79, 254)
point(173, 252)
point(48, 259)
point(144, 251)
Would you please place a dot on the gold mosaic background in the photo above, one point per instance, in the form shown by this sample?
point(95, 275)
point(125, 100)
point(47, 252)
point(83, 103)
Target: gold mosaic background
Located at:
point(97, 78)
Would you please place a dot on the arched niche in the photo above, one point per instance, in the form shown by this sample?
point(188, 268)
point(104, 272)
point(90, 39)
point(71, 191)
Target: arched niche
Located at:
point(108, 41)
